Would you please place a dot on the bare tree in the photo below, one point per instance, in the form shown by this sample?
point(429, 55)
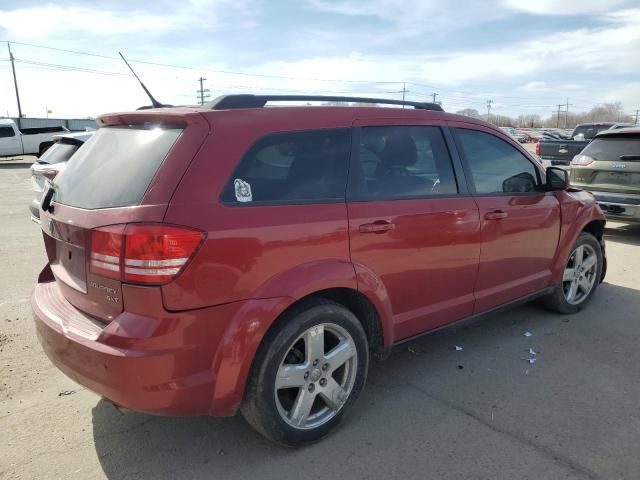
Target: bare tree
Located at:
point(469, 112)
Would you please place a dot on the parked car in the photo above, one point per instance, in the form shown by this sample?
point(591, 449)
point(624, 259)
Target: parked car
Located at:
point(609, 167)
point(560, 152)
point(25, 141)
point(52, 162)
point(232, 257)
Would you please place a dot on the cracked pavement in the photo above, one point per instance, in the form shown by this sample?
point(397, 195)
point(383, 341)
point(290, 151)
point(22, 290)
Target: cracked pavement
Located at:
point(427, 412)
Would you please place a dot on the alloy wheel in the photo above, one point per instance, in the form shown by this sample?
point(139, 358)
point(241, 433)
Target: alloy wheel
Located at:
point(316, 376)
point(580, 274)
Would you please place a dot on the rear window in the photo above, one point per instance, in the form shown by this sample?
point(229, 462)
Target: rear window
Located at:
point(114, 168)
point(58, 153)
point(613, 148)
point(590, 131)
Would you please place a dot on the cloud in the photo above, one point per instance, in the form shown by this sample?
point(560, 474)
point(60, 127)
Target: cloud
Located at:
point(50, 20)
point(414, 16)
point(565, 7)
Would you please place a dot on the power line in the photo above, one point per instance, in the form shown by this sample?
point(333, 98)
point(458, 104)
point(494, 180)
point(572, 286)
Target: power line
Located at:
point(260, 75)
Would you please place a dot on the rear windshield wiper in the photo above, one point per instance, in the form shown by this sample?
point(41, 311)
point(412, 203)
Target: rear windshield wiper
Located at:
point(46, 200)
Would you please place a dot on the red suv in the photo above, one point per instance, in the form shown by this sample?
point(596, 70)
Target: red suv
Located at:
point(232, 256)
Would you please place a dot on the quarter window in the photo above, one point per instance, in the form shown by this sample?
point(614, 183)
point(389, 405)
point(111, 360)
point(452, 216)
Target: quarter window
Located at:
point(495, 166)
point(402, 162)
point(294, 166)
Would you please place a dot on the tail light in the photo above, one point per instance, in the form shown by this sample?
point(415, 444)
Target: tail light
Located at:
point(582, 160)
point(538, 148)
point(142, 253)
point(50, 174)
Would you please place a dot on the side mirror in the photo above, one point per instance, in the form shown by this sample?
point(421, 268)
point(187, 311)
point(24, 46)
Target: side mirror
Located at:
point(557, 179)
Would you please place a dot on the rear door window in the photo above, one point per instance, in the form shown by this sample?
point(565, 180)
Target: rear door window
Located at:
point(402, 162)
point(114, 168)
point(309, 166)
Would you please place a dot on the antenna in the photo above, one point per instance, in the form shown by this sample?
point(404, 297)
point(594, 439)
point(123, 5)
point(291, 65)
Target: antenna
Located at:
point(154, 102)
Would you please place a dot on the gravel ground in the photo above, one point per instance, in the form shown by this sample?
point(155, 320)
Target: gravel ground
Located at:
point(427, 412)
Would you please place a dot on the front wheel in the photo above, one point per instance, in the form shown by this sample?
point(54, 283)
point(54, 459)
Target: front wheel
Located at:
point(307, 374)
point(580, 278)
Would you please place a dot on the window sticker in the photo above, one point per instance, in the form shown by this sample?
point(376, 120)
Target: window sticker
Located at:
point(243, 190)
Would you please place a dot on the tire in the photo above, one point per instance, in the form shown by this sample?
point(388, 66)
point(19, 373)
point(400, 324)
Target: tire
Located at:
point(585, 282)
point(275, 402)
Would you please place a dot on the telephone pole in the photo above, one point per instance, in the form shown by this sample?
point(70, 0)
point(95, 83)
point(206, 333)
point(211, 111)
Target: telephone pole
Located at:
point(566, 113)
point(15, 84)
point(560, 105)
point(203, 93)
point(404, 91)
point(489, 102)
point(636, 121)
point(434, 95)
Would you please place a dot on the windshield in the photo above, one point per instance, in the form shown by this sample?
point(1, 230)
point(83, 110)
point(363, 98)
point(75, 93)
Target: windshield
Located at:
point(114, 168)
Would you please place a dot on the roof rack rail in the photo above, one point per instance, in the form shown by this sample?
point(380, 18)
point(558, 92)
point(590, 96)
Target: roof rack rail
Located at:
point(227, 102)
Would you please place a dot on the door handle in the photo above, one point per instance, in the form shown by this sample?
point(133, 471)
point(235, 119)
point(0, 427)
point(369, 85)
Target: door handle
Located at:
point(379, 226)
point(496, 215)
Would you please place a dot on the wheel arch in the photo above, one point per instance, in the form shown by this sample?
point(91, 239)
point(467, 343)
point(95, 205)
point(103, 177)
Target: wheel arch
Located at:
point(252, 325)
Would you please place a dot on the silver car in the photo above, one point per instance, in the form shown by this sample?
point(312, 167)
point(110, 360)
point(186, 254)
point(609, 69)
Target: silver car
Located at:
point(52, 162)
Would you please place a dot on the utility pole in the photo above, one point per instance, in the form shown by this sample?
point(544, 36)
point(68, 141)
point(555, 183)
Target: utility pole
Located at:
point(15, 84)
point(404, 91)
point(558, 112)
point(489, 102)
point(203, 93)
point(434, 95)
point(566, 113)
point(636, 121)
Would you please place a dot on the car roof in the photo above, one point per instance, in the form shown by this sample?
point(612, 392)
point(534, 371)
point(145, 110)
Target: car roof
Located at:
point(621, 132)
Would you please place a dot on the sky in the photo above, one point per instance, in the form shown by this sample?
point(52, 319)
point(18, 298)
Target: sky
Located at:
point(527, 56)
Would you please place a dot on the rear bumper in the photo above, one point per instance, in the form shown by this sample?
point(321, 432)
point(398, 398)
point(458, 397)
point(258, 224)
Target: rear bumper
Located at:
point(619, 206)
point(159, 365)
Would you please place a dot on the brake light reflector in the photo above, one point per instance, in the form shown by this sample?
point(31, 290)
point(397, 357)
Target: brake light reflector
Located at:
point(156, 253)
point(142, 253)
point(538, 148)
point(106, 248)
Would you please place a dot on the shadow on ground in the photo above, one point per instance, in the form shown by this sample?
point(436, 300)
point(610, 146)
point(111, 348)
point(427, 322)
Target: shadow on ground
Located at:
point(14, 166)
point(429, 408)
point(628, 234)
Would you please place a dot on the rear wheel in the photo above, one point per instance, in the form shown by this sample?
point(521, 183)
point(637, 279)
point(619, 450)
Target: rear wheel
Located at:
point(307, 374)
point(580, 278)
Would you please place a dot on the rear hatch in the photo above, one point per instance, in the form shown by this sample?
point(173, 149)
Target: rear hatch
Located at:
point(126, 175)
point(611, 163)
